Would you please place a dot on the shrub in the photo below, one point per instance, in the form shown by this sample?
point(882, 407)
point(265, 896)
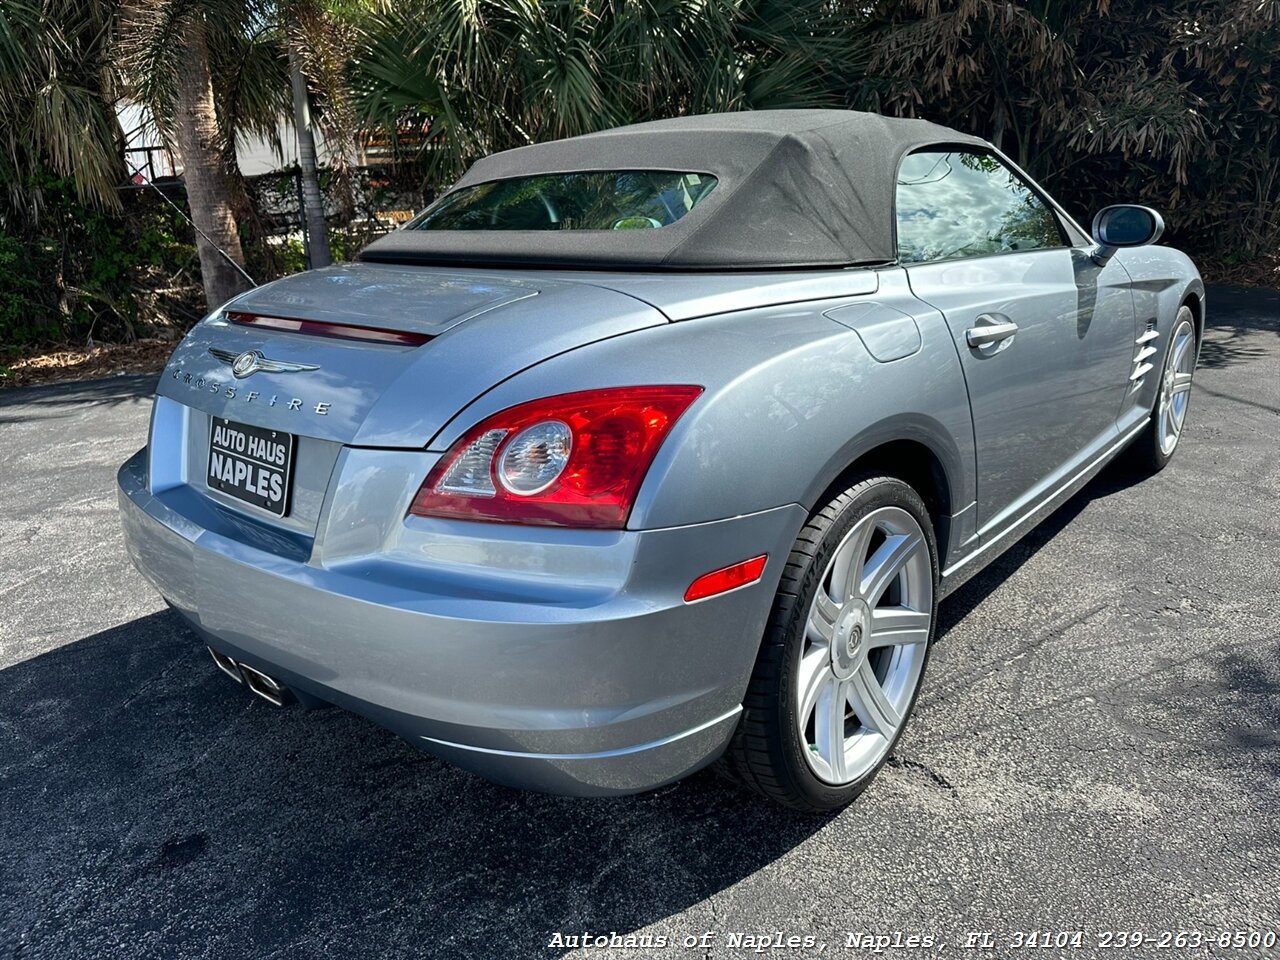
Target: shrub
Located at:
point(82, 273)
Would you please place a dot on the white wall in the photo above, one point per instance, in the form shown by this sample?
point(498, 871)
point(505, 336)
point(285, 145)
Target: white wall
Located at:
point(256, 155)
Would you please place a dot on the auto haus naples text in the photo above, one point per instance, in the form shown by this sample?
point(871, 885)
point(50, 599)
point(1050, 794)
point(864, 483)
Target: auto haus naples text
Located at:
point(259, 472)
point(754, 942)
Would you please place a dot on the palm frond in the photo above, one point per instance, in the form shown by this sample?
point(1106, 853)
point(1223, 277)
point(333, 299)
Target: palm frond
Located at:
point(57, 88)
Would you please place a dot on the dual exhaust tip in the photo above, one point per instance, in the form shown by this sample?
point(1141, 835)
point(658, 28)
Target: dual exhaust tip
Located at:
point(268, 688)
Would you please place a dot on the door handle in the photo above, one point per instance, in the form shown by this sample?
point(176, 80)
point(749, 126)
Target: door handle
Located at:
point(990, 330)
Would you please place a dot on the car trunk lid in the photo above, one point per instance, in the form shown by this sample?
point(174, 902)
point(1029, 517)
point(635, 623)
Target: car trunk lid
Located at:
point(311, 377)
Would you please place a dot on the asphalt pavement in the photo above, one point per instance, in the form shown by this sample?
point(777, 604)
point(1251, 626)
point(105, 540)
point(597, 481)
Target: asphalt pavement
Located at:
point(1096, 749)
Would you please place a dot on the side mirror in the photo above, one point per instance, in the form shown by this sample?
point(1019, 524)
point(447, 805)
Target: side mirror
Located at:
point(1124, 225)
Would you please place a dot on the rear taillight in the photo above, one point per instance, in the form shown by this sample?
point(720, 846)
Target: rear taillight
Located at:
point(577, 459)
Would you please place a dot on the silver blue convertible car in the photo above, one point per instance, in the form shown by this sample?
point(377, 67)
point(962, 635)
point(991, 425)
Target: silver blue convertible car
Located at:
point(659, 446)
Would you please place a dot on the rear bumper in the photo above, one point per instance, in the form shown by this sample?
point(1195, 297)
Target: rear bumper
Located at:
point(579, 686)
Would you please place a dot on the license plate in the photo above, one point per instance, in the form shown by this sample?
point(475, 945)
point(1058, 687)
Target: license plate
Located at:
point(251, 463)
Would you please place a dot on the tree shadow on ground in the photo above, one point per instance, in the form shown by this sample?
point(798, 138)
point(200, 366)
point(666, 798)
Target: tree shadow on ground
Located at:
point(153, 808)
point(158, 804)
point(1236, 316)
point(51, 401)
point(1251, 728)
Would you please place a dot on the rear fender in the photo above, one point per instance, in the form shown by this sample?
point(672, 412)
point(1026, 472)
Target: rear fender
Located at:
point(792, 398)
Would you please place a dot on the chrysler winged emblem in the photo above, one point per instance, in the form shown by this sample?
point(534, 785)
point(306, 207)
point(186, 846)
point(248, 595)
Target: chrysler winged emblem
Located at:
point(252, 361)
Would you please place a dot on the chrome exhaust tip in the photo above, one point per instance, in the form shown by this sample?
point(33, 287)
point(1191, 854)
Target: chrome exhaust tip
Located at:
point(268, 688)
point(226, 665)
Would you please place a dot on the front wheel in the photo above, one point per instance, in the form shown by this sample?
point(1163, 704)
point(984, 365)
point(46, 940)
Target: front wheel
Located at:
point(1154, 447)
point(845, 651)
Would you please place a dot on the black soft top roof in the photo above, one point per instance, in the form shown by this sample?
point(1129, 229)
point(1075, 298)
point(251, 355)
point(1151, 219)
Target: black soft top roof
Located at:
point(797, 188)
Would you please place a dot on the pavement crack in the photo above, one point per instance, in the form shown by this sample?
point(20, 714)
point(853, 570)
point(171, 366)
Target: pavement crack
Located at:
point(1094, 695)
point(901, 763)
point(1020, 653)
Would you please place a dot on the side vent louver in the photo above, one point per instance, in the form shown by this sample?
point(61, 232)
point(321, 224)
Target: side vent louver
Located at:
point(1146, 349)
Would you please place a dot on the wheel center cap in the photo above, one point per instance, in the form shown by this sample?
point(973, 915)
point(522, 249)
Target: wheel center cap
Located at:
point(848, 648)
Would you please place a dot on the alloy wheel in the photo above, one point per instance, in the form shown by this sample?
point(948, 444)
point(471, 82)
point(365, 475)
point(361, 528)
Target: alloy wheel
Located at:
point(1175, 388)
point(865, 644)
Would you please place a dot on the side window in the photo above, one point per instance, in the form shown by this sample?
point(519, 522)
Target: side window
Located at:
point(954, 204)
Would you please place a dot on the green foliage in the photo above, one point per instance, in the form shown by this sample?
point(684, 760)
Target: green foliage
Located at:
point(487, 75)
point(57, 86)
point(1171, 104)
point(289, 253)
point(251, 82)
point(83, 272)
point(20, 289)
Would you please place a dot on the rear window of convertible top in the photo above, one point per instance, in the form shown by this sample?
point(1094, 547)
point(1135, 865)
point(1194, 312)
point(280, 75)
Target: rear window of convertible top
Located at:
point(588, 200)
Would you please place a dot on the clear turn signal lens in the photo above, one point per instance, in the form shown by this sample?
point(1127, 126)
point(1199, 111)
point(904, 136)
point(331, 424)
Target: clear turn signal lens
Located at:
point(468, 475)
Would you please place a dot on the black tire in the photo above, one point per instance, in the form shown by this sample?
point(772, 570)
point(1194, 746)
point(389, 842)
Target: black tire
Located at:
point(765, 753)
point(1145, 455)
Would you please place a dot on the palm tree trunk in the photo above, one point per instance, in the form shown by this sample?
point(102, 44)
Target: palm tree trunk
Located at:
point(208, 186)
point(312, 201)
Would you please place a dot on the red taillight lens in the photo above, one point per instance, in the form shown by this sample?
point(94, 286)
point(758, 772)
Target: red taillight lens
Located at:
point(726, 579)
point(577, 459)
